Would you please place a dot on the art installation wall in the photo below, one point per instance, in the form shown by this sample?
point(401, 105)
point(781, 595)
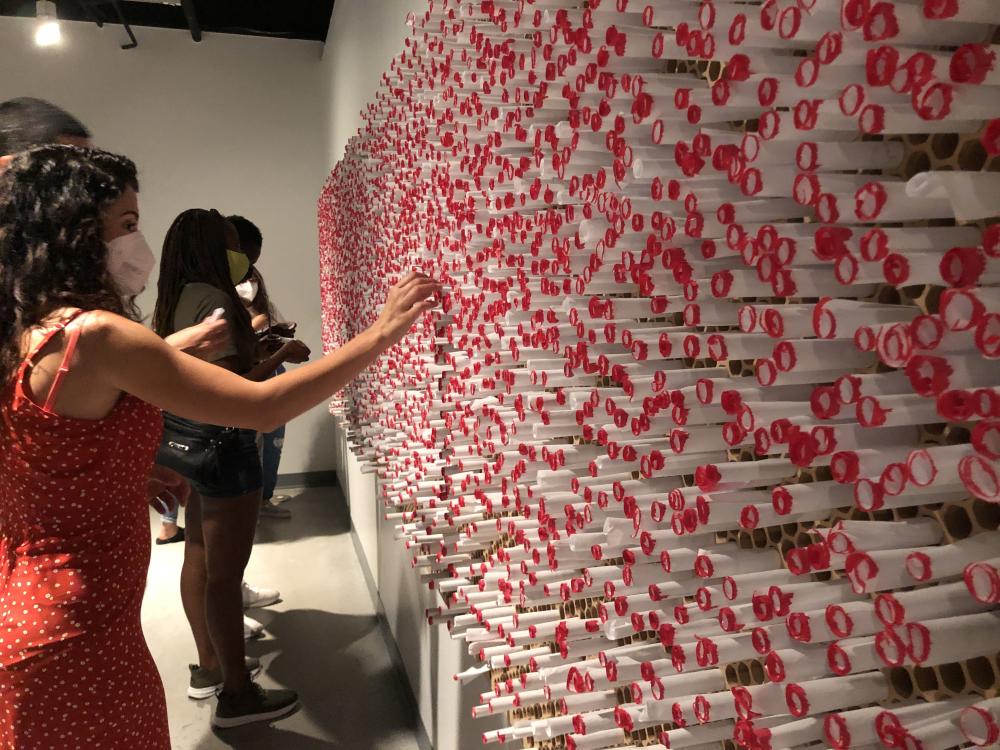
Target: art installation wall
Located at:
point(702, 448)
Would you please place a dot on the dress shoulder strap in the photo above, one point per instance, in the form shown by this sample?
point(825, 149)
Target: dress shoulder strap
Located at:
point(71, 343)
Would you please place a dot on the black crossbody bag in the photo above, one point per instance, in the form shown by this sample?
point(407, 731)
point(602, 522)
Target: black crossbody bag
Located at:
point(195, 450)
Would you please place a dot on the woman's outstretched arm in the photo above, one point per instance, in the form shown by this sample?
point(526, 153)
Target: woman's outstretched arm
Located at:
point(133, 359)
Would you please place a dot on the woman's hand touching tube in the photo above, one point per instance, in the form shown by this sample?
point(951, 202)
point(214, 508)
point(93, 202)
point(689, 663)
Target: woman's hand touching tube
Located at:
point(408, 299)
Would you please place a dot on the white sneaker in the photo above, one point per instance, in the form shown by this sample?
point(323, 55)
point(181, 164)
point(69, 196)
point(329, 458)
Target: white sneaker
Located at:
point(255, 597)
point(279, 499)
point(252, 629)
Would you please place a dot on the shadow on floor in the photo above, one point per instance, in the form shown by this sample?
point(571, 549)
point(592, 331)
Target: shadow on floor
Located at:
point(327, 658)
point(316, 511)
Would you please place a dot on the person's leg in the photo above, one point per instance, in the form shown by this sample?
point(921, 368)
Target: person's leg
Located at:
point(168, 525)
point(273, 442)
point(194, 578)
point(271, 456)
point(271, 445)
point(228, 526)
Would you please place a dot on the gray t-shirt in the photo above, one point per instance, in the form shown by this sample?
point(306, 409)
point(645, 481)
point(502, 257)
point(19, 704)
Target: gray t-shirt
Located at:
point(197, 302)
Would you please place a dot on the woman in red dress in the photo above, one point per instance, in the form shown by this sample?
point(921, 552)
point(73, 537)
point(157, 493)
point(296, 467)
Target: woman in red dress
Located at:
point(81, 388)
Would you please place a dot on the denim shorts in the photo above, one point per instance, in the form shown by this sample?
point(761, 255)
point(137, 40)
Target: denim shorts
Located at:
point(217, 461)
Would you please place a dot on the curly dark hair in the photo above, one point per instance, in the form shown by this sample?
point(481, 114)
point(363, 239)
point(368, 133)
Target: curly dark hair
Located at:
point(52, 254)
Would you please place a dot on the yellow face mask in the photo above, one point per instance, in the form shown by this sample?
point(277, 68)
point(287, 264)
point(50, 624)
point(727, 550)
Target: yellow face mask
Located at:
point(239, 265)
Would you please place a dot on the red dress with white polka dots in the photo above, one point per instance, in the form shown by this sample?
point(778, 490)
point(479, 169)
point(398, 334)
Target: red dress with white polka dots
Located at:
point(75, 671)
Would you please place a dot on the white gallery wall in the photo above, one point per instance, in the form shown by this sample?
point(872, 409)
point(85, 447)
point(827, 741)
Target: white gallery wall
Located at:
point(233, 123)
point(364, 36)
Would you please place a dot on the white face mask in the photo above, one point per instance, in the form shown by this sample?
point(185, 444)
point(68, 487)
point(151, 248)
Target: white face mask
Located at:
point(130, 261)
point(247, 291)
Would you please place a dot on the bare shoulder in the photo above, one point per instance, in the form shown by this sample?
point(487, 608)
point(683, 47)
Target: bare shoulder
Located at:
point(102, 328)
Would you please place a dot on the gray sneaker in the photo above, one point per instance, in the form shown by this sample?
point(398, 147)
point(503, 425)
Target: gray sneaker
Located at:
point(270, 510)
point(251, 704)
point(206, 683)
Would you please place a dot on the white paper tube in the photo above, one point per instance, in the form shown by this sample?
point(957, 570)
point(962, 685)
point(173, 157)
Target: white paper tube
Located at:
point(878, 570)
point(973, 195)
point(937, 735)
point(685, 737)
point(934, 563)
point(736, 562)
point(851, 729)
point(982, 579)
point(975, 63)
point(969, 11)
point(980, 722)
point(706, 681)
point(703, 708)
point(798, 498)
point(794, 733)
point(797, 664)
point(826, 694)
point(842, 318)
point(895, 723)
point(909, 24)
point(847, 465)
point(927, 603)
point(824, 157)
point(952, 638)
point(891, 201)
point(853, 655)
point(595, 741)
point(936, 465)
point(900, 119)
point(895, 410)
point(834, 621)
point(868, 536)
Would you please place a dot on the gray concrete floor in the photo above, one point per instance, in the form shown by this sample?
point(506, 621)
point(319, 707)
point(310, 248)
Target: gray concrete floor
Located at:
point(323, 640)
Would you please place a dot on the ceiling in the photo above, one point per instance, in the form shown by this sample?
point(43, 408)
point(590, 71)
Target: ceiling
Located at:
point(286, 19)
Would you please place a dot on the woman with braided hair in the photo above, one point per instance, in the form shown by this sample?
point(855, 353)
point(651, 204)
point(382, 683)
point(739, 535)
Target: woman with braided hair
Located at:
point(200, 265)
point(81, 389)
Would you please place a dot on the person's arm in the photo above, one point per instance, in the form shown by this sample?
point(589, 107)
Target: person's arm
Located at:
point(166, 482)
point(201, 340)
point(291, 351)
point(133, 359)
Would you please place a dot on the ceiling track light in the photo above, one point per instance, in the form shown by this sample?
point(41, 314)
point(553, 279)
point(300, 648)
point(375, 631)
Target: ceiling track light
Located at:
point(47, 30)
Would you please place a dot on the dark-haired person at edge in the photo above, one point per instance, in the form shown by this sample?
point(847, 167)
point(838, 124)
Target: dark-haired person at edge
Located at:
point(80, 423)
point(271, 325)
point(27, 122)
